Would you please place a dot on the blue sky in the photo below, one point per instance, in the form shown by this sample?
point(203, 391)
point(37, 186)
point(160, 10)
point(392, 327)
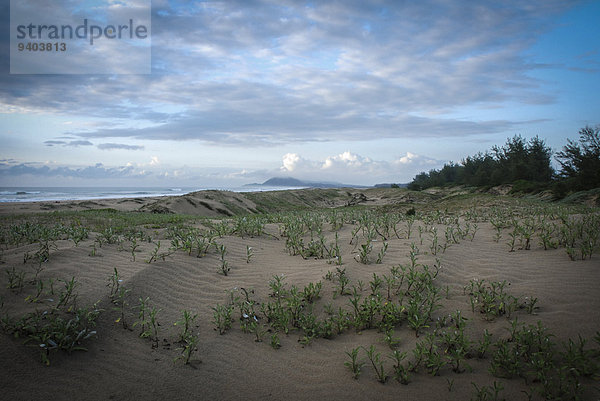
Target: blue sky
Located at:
point(359, 92)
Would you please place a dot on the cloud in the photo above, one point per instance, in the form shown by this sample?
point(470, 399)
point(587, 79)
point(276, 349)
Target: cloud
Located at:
point(97, 171)
point(53, 143)
point(79, 143)
point(408, 159)
point(292, 161)
point(75, 143)
point(346, 160)
point(116, 146)
point(352, 168)
point(258, 74)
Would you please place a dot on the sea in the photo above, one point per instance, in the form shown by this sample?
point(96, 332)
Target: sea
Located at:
point(41, 194)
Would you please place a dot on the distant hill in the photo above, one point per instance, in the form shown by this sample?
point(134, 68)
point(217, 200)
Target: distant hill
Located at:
point(390, 185)
point(294, 182)
point(285, 182)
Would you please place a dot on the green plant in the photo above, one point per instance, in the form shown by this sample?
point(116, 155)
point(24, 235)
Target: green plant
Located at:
point(222, 318)
point(488, 393)
point(94, 251)
point(484, 344)
point(456, 342)
point(342, 320)
point(40, 288)
point(311, 327)
point(16, 279)
point(78, 234)
point(155, 255)
point(154, 325)
point(275, 342)
point(42, 255)
point(311, 292)
point(51, 332)
point(375, 358)
point(335, 253)
point(364, 251)
point(114, 281)
point(142, 318)
point(68, 294)
point(420, 308)
point(375, 284)
point(109, 236)
point(382, 253)
point(530, 305)
point(580, 361)
point(546, 233)
point(190, 346)
point(50, 286)
point(390, 340)
point(401, 372)
point(258, 330)
point(491, 299)
point(434, 361)
point(186, 322)
point(277, 286)
point(225, 269)
point(498, 234)
point(354, 364)
point(343, 281)
point(409, 223)
point(134, 245)
point(390, 283)
point(513, 237)
point(121, 304)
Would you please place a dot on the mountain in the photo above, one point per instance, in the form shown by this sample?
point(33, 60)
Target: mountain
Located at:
point(284, 182)
point(294, 182)
point(390, 185)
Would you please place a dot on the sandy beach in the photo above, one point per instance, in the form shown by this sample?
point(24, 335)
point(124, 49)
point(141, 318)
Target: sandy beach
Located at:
point(453, 239)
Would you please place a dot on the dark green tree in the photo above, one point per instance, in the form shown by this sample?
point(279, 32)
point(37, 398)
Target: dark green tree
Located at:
point(580, 162)
point(539, 161)
point(526, 163)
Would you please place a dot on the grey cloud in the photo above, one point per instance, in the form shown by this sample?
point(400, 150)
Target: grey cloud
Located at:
point(97, 171)
point(115, 146)
point(75, 143)
point(285, 126)
point(52, 143)
point(256, 73)
point(79, 143)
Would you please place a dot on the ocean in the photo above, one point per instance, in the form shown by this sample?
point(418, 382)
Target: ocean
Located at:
point(40, 194)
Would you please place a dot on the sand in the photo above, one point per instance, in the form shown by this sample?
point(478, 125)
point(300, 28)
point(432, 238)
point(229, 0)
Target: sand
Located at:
point(121, 366)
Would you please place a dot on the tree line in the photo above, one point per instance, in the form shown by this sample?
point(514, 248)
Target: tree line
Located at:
point(527, 165)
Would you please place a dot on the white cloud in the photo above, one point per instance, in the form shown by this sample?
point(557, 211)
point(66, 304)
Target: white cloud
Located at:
point(353, 168)
point(292, 162)
point(346, 160)
point(256, 74)
point(412, 159)
point(409, 158)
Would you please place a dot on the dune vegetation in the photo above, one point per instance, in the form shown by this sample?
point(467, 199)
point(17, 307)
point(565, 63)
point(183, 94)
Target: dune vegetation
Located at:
point(454, 295)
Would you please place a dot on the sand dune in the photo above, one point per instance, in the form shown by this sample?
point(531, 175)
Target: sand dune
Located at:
point(121, 366)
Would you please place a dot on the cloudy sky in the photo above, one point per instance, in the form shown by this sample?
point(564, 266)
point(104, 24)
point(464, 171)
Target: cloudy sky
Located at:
point(359, 92)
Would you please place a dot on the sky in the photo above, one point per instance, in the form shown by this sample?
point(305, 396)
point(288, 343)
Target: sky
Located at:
point(356, 92)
